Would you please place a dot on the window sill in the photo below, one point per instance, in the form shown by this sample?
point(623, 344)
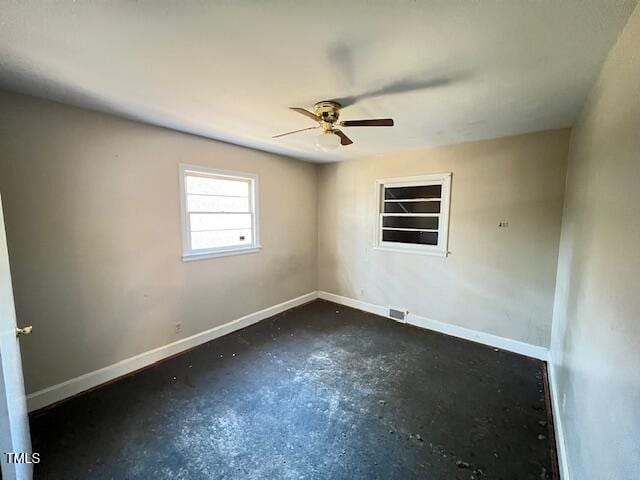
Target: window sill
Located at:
point(191, 257)
point(414, 251)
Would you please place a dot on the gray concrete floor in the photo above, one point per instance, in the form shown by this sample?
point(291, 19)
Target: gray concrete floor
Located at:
point(319, 392)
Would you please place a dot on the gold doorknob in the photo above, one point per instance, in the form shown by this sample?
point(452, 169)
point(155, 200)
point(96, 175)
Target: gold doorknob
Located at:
point(24, 331)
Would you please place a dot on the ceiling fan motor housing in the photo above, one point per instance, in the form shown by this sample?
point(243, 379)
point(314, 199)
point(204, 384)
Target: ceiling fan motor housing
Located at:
point(329, 112)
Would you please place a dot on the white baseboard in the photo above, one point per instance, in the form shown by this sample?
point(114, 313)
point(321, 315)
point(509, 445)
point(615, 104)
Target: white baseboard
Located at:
point(535, 351)
point(561, 448)
point(357, 304)
point(55, 393)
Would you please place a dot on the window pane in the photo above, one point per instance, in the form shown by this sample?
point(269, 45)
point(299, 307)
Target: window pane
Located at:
point(411, 207)
point(217, 186)
point(207, 203)
point(424, 238)
point(421, 191)
point(219, 221)
point(223, 238)
point(428, 223)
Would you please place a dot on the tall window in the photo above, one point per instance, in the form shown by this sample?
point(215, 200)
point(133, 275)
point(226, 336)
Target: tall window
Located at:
point(219, 212)
point(413, 214)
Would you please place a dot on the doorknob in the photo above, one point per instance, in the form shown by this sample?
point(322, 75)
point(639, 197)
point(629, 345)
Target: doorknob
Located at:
point(24, 331)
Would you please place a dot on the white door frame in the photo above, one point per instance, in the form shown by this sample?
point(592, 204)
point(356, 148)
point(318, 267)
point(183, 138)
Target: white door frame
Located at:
point(14, 419)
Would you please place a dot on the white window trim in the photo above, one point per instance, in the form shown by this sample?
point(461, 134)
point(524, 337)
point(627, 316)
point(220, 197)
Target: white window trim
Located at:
point(188, 254)
point(442, 249)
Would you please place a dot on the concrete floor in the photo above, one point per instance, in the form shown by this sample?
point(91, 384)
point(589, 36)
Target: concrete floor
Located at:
point(319, 392)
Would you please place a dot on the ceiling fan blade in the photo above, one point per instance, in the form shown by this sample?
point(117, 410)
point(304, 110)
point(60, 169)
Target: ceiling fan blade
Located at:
point(376, 122)
point(306, 113)
point(295, 131)
point(344, 140)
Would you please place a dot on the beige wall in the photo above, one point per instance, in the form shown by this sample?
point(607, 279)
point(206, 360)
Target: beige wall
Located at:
point(499, 281)
point(595, 344)
point(93, 223)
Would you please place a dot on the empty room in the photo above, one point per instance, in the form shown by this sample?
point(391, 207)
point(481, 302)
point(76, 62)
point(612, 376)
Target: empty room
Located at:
point(320, 240)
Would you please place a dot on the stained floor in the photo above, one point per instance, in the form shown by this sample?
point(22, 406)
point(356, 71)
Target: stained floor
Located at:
point(319, 392)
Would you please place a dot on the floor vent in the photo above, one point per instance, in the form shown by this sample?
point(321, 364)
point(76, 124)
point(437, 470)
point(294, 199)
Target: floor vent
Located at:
point(398, 314)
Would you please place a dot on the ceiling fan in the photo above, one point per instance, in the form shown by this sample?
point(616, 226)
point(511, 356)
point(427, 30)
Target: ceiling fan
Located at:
point(327, 114)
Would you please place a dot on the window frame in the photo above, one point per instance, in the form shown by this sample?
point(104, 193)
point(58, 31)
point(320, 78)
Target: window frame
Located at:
point(189, 254)
point(442, 248)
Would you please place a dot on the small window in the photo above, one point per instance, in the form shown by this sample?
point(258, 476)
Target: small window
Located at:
point(219, 212)
point(413, 214)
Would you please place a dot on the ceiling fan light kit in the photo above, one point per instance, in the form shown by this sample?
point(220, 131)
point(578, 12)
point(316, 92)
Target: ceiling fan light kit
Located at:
point(327, 141)
point(327, 115)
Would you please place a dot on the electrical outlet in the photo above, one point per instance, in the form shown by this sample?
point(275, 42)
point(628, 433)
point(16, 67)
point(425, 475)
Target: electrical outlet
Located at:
point(178, 327)
point(503, 224)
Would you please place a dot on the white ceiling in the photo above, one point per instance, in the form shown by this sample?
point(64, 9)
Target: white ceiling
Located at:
point(447, 71)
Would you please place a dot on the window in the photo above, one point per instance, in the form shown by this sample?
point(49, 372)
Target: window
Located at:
point(219, 212)
point(413, 214)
